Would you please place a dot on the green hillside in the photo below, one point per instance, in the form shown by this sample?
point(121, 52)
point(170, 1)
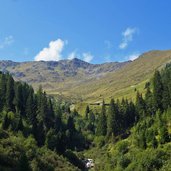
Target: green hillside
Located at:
point(123, 82)
point(77, 81)
point(37, 132)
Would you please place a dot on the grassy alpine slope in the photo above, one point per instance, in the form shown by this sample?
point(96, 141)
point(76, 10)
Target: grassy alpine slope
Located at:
point(77, 80)
point(123, 82)
point(39, 133)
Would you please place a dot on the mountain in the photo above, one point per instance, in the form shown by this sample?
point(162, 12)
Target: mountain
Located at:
point(57, 76)
point(40, 133)
point(78, 80)
point(126, 80)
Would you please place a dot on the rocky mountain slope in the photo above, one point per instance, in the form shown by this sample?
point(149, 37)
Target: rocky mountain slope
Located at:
point(53, 71)
point(79, 80)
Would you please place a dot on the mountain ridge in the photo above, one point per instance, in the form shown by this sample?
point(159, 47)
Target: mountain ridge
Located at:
point(78, 80)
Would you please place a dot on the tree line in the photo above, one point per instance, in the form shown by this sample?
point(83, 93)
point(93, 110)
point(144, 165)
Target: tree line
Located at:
point(36, 114)
point(121, 115)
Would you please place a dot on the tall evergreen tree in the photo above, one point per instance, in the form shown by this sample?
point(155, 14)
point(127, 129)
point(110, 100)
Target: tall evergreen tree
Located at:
point(112, 119)
point(157, 91)
point(30, 107)
point(10, 93)
point(140, 105)
point(149, 101)
point(40, 134)
point(6, 122)
point(2, 91)
point(102, 121)
point(87, 111)
point(18, 101)
point(20, 124)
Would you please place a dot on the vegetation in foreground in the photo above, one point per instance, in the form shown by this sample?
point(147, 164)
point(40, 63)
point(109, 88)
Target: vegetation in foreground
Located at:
point(38, 133)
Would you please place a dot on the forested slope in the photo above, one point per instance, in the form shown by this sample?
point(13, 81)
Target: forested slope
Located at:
point(39, 133)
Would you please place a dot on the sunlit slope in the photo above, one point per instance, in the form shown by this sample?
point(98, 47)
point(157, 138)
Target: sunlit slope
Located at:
point(79, 81)
point(123, 82)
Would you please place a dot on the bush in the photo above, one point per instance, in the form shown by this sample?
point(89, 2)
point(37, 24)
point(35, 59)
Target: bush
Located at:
point(99, 141)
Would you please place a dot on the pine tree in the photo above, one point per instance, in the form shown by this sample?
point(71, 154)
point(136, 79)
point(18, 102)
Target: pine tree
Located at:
point(157, 91)
point(102, 121)
point(140, 105)
point(165, 97)
point(49, 115)
point(6, 122)
point(30, 107)
point(112, 119)
point(2, 91)
point(20, 124)
point(40, 134)
point(18, 100)
point(149, 101)
point(51, 139)
point(10, 93)
point(164, 135)
point(87, 111)
point(23, 163)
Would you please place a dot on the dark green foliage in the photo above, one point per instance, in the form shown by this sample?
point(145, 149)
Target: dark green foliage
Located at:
point(140, 105)
point(23, 163)
point(6, 122)
point(164, 135)
point(40, 134)
point(102, 122)
point(157, 90)
point(2, 91)
point(74, 159)
point(20, 124)
point(56, 128)
point(113, 119)
point(149, 100)
point(9, 93)
point(87, 112)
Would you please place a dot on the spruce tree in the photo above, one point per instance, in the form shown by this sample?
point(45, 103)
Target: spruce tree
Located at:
point(140, 105)
point(9, 93)
point(112, 119)
point(102, 121)
point(157, 91)
point(2, 91)
point(30, 108)
point(40, 134)
point(20, 124)
point(6, 122)
point(149, 101)
point(87, 111)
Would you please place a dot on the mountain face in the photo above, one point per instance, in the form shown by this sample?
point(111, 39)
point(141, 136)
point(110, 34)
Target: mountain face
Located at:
point(53, 75)
point(79, 80)
point(53, 71)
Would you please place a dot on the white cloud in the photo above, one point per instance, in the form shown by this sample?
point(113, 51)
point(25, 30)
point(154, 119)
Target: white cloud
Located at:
point(127, 37)
point(87, 57)
point(133, 56)
point(53, 52)
point(6, 42)
point(72, 55)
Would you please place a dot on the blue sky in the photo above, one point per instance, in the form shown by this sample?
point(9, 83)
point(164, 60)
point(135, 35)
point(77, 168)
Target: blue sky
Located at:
point(93, 30)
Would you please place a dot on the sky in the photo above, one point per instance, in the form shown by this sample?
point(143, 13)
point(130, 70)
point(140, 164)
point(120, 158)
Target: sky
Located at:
point(95, 31)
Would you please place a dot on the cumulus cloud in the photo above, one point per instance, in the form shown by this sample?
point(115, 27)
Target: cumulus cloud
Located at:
point(133, 56)
point(6, 42)
point(87, 57)
point(51, 53)
point(127, 37)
